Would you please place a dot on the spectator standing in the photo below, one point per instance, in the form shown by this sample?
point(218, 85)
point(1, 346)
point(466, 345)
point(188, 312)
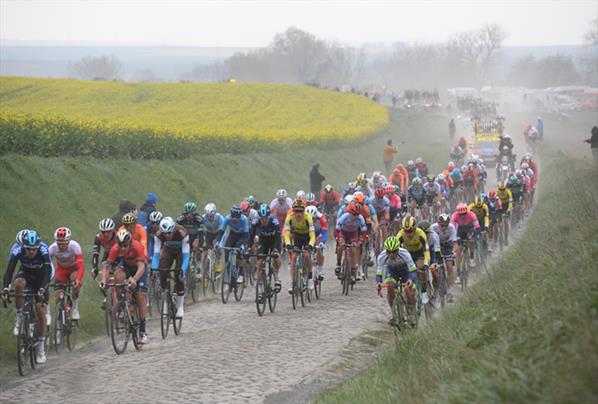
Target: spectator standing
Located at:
point(125, 206)
point(389, 152)
point(316, 179)
point(147, 208)
point(593, 141)
point(452, 128)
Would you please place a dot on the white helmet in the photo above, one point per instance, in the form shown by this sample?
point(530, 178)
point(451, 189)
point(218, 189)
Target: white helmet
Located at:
point(281, 193)
point(106, 224)
point(312, 210)
point(210, 209)
point(525, 166)
point(167, 225)
point(349, 199)
point(20, 235)
point(155, 216)
point(418, 160)
point(300, 194)
point(310, 197)
point(328, 188)
point(376, 174)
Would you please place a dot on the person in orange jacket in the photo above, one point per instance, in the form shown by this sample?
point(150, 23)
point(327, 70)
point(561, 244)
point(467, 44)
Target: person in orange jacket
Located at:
point(389, 152)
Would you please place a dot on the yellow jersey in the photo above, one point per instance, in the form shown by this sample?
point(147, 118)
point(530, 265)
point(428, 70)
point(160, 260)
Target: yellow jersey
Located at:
point(303, 227)
point(481, 212)
point(418, 242)
point(506, 197)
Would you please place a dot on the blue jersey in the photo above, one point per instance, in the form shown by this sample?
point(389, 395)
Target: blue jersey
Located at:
point(350, 224)
point(380, 205)
point(150, 240)
point(214, 225)
point(38, 266)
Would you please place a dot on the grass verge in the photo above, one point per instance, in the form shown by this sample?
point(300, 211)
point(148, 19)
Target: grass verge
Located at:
point(525, 333)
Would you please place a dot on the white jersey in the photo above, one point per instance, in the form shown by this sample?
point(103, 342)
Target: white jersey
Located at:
point(281, 209)
point(253, 216)
point(447, 234)
point(432, 189)
point(68, 257)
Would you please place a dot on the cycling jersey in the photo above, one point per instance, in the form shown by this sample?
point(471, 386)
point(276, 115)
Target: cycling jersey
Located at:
point(138, 233)
point(38, 266)
point(101, 241)
point(401, 267)
point(434, 241)
point(432, 189)
point(505, 197)
point(193, 224)
point(212, 225)
point(482, 212)
point(238, 231)
point(321, 227)
point(446, 235)
point(67, 260)
point(381, 206)
point(351, 224)
point(470, 177)
point(270, 229)
point(178, 242)
point(150, 230)
point(252, 216)
point(416, 193)
point(301, 227)
point(130, 257)
point(467, 220)
point(415, 243)
point(281, 209)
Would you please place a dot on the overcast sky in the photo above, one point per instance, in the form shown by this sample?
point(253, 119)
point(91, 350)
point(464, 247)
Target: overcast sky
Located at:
point(254, 23)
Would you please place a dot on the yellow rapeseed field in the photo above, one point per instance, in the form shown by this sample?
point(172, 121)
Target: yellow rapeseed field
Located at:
point(229, 116)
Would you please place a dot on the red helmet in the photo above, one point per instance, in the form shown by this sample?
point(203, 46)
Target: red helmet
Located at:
point(461, 209)
point(492, 194)
point(244, 206)
point(353, 209)
point(390, 189)
point(379, 192)
point(450, 166)
point(62, 235)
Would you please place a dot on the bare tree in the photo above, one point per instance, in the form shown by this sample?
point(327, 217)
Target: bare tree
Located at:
point(96, 68)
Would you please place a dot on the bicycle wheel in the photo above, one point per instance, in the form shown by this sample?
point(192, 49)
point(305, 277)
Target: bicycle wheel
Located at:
point(134, 320)
point(225, 283)
point(261, 290)
point(346, 276)
point(70, 327)
point(212, 271)
point(193, 284)
point(23, 349)
point(177, 322)
point(239, 289)
point(272, 293)
point(300, 279)
point(119, 327)
point(442, 287)
point(397, 314)
point(463, 268)
point(295, 295)
point(58, 339)
point(317, 287)
point(165, 313)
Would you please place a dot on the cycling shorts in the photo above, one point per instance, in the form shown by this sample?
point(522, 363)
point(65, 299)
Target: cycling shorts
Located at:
point(464, 233)
point(400, 274)
point(63, 274)
point(34, 283)
point(131, 270)
point(209, 239)
point(417, 255)
point(266, 245)
point(300, 240)
point(446, 250)
point(349, 238)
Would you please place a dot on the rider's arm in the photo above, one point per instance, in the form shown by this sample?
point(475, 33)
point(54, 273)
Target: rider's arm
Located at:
point(157, 248)
point(12, 263)
point(96, 253)
point(287, 229)
point(185, 250)
point(312, 233)
point(424, 240)
point(404, 254)
point(381, 266)
point(142, 238)
point(47, 268)
point(486, 217)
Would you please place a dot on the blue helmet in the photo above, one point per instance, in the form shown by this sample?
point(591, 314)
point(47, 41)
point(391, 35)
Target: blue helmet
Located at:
point(31, 239)
point(264, 210)
point(236, 211)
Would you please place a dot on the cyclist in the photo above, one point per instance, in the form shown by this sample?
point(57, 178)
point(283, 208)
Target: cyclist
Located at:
point(171, 243)
point(252, 218)
point(378, 180)
point(433, 194)
point(494, 206)
point(127, 258)
point(371, 221)
point(470, 181)
point(310, 199)
point(349, 189)
point(382, 206)
point(267, 235)
point(404, 177)
point(212, 221)
point(34, 275)
point(350, 229)
point(517, 188)
point(457, 153)
point(434, 243)
point(152, 226)
point(253, 203)
point(482, 212)
point(466, 222)
point(299, 231)
point(329, 200)
point(447, 234)
point(412, 170)
point(238, 232)
point(193, 224)
point(137, 231)
point(456, 177)
point(105, 239)
point(321, 230)
point(394, 201)
point(422, 167)
point(414, 240)
point(281, 205)
point(69, 266)
point(416, 196)
point(506, 199)
point(395, 262)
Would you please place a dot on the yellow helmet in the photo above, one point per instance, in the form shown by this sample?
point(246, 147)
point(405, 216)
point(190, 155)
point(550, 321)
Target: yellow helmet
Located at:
point(479, 202)
point(409, 223)
point(502, 186)
point(129, 218)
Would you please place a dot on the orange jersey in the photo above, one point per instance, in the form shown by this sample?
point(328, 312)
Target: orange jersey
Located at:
point(138, 233)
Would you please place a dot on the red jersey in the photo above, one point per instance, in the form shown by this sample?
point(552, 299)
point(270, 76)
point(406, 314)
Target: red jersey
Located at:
point(131, 256)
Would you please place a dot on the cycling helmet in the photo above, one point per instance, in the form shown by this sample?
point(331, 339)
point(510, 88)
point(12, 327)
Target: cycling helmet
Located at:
point(236, 211)
point(312, 210)
point(479, 201)
point(167, 225)
point(408, 223)
point(502, 186)
point(190, 207)
point(416, 181)
point(300, 194)
point(430, 178)
point(281, 193)
point(264, 210)
point(353, 209)
point(250, 199)
point(129, 218)
point(461, 209)
point(424, 225)
point(391, 244)
point(419, 160)
point(444, 218)
point(397, 189)
point(123, 237)
point(376, 174)
point(106, 224)
point(62, 235)
point(359, 198)
point(524, 166)
point(389, 189)
point(328, 188)
point(210, 209)
point(351, 185)
point(492, 194)
point(410, 163)
point(379, 192)
point(32, 239)
point(440, 178)
point(348, 199)
point(298, 205)
point(244, 206)
point(20, 235)
point(155, 216)
point(518, 173)
point(310, 197)
point(451, 165)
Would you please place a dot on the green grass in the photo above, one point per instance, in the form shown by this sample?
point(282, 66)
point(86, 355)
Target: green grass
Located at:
point(44, 193)
point(525, 333)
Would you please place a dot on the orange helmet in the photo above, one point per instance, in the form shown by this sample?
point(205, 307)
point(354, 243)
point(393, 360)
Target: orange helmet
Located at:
point(359, 198)
point(244, 206)
point(353, 209)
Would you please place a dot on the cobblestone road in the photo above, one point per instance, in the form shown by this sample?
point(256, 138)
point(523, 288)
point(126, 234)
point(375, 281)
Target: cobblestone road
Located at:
point(224, 353)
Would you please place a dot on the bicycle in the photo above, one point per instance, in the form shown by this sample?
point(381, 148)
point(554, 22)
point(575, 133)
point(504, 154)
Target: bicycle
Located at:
point(463, 269)
point(65, 328)
point(265, 289)
point(365, 258)
point(124, 319)
point(154, 293)
point(346, 269)
point(316, 279)
point(403, 316)
point(168, 308)
point(442, 282)
point(210, 275)
point(299, 288)
point(191, 277)
point(27, 337)
point(229, 277)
